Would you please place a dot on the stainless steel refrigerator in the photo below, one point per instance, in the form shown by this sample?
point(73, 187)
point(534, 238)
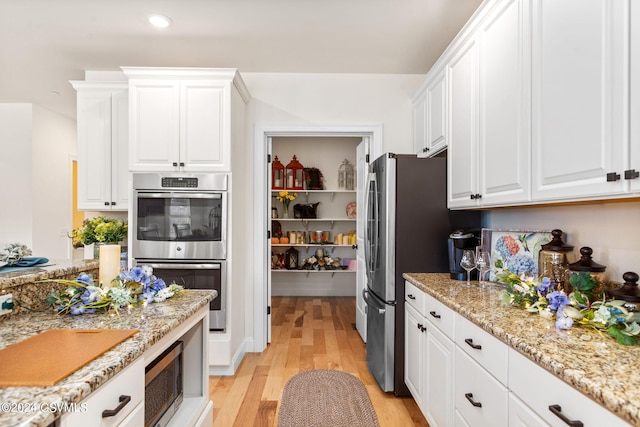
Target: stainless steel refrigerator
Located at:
point(407, 229)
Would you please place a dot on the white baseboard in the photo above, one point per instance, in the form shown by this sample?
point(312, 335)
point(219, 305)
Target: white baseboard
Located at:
point(230, 370)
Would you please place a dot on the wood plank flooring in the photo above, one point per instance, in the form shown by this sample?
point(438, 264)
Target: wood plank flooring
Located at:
point(307, 333)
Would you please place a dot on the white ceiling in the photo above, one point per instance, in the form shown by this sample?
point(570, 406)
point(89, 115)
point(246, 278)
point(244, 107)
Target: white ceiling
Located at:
point(45, 43)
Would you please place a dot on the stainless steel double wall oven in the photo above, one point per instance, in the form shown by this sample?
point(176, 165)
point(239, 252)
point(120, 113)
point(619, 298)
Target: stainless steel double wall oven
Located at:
point(179, 227)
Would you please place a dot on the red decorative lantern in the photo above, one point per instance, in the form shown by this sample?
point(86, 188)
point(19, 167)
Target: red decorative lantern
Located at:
point(294, 173)
point(277, 174)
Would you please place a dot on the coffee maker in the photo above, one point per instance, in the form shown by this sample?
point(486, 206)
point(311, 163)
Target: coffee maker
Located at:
point(458, 241)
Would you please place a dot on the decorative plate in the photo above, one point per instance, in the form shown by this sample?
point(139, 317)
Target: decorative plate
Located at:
point(352, 210)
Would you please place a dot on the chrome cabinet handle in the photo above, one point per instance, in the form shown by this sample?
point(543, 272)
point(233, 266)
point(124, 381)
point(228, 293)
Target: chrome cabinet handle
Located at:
point(469, 397)
point(470, 343)
point(557, 411)
point(434, 314)
point(124, 399)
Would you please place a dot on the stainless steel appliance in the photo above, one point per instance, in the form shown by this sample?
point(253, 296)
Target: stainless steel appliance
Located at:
point(163, 386)
point(407, 228)
point(180, 216)
point(179, 227)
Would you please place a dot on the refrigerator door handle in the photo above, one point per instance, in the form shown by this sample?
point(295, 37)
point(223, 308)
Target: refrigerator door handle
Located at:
point(369, 232)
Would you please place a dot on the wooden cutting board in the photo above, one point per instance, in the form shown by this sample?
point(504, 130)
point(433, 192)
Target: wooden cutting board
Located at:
point(50, 356)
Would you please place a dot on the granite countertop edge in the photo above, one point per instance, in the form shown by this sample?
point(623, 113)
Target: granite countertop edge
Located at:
point(153, 322)
point(610, 393)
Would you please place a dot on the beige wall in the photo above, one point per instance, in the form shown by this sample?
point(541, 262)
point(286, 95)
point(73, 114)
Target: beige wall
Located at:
point(612, 230)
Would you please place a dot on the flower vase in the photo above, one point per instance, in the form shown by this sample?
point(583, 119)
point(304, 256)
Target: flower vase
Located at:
point(90, 251)
point(285, 210)
point(109, 264)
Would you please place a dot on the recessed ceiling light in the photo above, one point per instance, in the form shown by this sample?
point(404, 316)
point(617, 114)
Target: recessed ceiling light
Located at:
point(160, 21)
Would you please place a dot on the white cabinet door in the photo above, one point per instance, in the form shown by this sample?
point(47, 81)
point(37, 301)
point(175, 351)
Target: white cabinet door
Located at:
point(520, 415)
point(103, 175)
point(154, 127)
point(362, 167)
point(94, 150)
point(462, 154)
point(504, 113)
point(633, 166)
point(414, 353)
point(438, 390)
point(420, 125)
point(203, 126)
point(437, 118)
point(120, 176)
point(579, 96)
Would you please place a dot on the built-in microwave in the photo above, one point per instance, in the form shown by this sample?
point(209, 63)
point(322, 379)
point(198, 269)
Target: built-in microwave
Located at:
point(163, 389)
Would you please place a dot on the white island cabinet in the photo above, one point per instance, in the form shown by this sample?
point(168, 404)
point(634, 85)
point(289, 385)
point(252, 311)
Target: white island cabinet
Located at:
point(181, 119)
point(124, 394)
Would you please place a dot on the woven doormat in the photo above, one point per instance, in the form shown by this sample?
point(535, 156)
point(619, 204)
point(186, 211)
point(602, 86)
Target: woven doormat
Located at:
point(326, 398)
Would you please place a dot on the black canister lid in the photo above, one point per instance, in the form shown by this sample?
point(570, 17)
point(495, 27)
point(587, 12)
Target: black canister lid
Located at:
point(556, 244)
point(586, 263)
point(629, 290)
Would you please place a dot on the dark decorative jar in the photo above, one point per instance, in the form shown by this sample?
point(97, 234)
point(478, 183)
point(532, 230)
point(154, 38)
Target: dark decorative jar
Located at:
point(552, 260)
point(629, 291)
point(585, 271)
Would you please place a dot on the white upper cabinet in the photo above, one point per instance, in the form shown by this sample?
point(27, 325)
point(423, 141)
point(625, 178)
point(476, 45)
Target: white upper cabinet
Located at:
point(580, 96)
point(631, 173)
point(430, 116)
point(181, 118)
point(505, 99)
point(462, 154)
point(102, 120)
point(489, 100)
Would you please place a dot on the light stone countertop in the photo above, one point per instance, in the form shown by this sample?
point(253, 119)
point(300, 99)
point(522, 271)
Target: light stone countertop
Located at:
point(154, 322)
point(591, 362)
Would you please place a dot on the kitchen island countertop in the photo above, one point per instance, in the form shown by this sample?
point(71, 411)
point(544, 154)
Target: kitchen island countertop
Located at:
point(24, 404)
point(588, 360)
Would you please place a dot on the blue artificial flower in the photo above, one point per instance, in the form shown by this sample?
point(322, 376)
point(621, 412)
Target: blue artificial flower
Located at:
point(85, 278)
point(563, 321)
point(89, 295)
point(544, 286)
point(520, 264)
point(158, 284)
point(557, 299)
point(77, 309)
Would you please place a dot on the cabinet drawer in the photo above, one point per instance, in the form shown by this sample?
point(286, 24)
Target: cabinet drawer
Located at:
point(479, 397)
point(484, 348)
point(415, 297)
point(439, 314)
point(541, 389)
point(129, 382)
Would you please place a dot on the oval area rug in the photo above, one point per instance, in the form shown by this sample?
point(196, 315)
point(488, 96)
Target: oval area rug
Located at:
point(328, 398)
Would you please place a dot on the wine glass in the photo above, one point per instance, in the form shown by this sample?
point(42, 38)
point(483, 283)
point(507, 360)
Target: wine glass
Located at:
point(483, 265)
point(468, 262)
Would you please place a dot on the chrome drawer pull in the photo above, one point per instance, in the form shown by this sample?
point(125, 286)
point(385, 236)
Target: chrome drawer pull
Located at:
point(470, 343)
point(434, 314)
point(469, 397)
point(410, 296)
point(124, 399)
point(557, 411)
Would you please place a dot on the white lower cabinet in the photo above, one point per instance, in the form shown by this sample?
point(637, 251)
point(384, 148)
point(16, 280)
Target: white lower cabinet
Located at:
point(480, 399)
point(520, 415)
point(414, 354)
point(553, 400)
point(121, 394)
point(438, 386)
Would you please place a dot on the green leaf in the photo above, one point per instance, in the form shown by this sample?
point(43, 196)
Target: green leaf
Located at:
point(499, 263)
point(622, 338)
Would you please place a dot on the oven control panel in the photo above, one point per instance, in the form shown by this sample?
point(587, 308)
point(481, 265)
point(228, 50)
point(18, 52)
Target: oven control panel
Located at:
point(179, 182)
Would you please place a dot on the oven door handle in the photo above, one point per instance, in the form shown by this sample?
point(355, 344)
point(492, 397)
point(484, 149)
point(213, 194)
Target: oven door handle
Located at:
point(187, 266)
point(179, 194)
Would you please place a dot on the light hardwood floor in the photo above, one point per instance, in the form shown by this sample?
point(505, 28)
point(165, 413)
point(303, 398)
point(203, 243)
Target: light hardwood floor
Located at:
point(307, 333)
